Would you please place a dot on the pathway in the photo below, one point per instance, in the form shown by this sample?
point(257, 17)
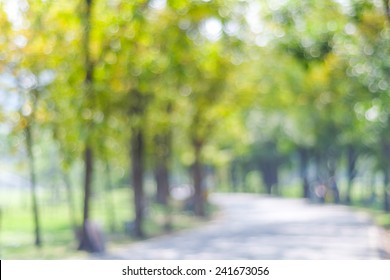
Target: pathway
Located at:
point(258, 227)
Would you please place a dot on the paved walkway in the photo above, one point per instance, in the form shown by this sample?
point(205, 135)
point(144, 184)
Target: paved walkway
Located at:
point(258, 227)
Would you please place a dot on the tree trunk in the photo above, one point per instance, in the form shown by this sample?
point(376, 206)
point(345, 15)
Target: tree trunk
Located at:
point(137, 164)
point(269, 171)
point(162, 182)
point(303, 171)
point(162, 167)
point(161, 173)
point(234, 169)
point(86, 241)
point(34, 200)
point(386, 164)
point(352, 156)
point(197, 175)
point(386, 200)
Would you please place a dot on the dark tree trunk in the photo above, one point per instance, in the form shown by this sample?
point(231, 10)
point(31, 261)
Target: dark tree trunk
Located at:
point(137, 164)
point(86, 240)
point(269, 171)
point(319, 165)
point(352, 157)
point(163, 146)
point(138, 103)
point(234, 170)
point(197, 175)
point(303, 171)
point(386, 164)
point(162, 167)
point(162, 181)
point(386, 200)
point(31, 159)
point(163, 143)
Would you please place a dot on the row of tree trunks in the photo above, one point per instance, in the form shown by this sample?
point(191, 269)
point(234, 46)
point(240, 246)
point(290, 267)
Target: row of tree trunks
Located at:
point(269, 170)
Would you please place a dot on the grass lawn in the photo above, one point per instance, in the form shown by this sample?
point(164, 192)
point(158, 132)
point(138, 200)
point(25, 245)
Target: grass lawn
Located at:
point(59, 241)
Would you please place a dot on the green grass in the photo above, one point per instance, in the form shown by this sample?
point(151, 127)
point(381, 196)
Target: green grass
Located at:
point(380, 217)
point(383, 219)
point(292, 191)
point(17, 229)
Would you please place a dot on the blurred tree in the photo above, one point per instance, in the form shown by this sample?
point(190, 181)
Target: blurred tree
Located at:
point(30, 78)
point(87, 238)
point(313, 46)
point(370, 66)
point(212, 70)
